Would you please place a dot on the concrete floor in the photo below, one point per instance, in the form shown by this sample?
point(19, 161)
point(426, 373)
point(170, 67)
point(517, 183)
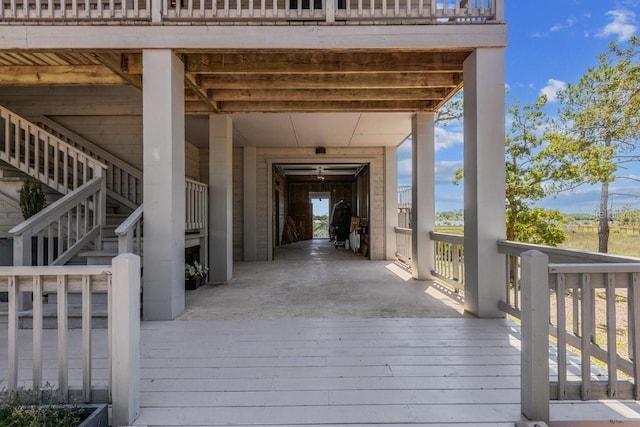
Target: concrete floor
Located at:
point(312, 279)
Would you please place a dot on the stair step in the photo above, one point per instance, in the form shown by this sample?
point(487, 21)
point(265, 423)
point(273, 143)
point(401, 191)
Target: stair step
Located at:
point(99, 257)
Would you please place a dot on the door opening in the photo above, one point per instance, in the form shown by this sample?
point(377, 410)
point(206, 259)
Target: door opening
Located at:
point(320, 203)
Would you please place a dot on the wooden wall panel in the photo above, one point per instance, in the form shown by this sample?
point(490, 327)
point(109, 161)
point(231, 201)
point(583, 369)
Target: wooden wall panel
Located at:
point(192, 161)
point(238, 208)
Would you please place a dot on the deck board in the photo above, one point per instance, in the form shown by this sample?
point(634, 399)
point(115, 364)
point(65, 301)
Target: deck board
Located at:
point(325, 372)
point(330, 372)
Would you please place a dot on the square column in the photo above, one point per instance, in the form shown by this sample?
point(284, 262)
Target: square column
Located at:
point(423, 207)
point(220, 197)
point(163, 184)
point(484, 181)
point(249, 200)
point(391, 200)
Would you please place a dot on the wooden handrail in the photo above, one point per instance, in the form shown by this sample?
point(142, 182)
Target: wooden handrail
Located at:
point(60, 206)
point(128, 224)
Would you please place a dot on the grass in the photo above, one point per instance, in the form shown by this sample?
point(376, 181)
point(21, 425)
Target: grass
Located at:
point(619, 243)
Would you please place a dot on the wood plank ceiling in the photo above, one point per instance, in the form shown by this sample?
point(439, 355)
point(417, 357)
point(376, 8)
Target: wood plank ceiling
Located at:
point(237, 81)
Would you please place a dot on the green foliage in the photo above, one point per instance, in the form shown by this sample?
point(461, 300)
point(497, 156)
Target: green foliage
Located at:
point(627, 216)
point(450, 216)
point(32, 199)
point(539, 226)
point(29, 409)
point(599, 122)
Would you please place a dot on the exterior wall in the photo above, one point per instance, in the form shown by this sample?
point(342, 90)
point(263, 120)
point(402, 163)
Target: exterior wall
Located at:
point(11, 215)
point(269, 156)
point(238, 210)
point(192, 161)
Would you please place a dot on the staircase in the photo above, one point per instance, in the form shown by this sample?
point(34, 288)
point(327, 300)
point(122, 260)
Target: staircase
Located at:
point(95, 210)
point(76, 229)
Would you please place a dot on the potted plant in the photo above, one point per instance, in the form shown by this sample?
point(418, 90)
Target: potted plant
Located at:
point(195, 275)
point(32, 199)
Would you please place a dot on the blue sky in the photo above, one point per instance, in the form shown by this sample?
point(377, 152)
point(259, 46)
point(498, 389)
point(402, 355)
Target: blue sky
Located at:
point(550, 44)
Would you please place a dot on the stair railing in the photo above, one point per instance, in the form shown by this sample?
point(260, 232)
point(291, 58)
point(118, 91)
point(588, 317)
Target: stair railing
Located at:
point(124, 181)
point(44, 156)
point(63, 228)
point(130, 233)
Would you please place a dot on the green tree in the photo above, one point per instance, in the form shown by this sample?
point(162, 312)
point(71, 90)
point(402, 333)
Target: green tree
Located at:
point(599, 122)
point(537, 165)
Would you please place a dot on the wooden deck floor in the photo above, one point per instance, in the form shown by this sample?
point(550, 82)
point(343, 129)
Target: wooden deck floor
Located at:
point(336, 372)
point(321, 372)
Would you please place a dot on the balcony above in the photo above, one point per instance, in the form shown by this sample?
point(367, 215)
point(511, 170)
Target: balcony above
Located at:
point(252, 12)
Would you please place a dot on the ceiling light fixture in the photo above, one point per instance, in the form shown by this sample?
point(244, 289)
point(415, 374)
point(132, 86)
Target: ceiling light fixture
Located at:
point(320, 176)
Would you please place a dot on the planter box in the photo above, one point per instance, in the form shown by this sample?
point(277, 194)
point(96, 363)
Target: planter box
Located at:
point(191, 284)
point(96, 415)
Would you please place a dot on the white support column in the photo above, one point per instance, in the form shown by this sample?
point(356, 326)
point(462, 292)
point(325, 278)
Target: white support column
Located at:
point(391, 200)
point(220, 197)
point(423, 212)
point(249, 194)
point(163, 184)
point(484, 181)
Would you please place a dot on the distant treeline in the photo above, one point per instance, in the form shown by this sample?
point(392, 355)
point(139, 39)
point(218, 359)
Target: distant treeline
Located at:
point(623, 216)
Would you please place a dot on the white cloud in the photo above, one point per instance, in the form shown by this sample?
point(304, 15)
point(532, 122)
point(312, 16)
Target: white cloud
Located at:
point(623, 25)
point(568, 24)
point(448, 137)
point(445, 171)
point(552, 88)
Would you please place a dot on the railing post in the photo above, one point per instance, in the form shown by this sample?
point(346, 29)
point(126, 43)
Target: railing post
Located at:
point(22, 245)
point(534, 358)
point(125, 360)
point(157, 11)
point(330, 11)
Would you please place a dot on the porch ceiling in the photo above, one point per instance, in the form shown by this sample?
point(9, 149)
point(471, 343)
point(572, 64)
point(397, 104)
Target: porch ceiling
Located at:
point(250, 80)
point(340, 98)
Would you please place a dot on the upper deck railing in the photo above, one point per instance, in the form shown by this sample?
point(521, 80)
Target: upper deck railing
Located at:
point(256, 11)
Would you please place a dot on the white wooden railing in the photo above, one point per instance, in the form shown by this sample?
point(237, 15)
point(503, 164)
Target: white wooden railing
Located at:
point(197, 204)
point(124, 181)
point(403, 245)
point(130, 233)
point(78, 10)
point(62, 228)
point(121, 283)
point(194, 11)
point(578, 303)
point(448, 260)
point(43, 155)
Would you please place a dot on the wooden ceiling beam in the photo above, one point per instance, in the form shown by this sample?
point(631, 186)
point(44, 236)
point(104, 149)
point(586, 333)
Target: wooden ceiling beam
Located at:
point(326, 106)
point(117, 63)
point(191, 82)
point(314, 61)
point(326, 94)
point(23, 75)
point(331, 81)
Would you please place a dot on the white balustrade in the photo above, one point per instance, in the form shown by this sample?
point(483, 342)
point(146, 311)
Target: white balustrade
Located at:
point(213, 11)
point(62, 228)
point(43, 155)
point(121, 283)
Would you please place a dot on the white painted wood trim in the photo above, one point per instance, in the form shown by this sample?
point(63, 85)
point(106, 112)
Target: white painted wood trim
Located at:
point(243, 36)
